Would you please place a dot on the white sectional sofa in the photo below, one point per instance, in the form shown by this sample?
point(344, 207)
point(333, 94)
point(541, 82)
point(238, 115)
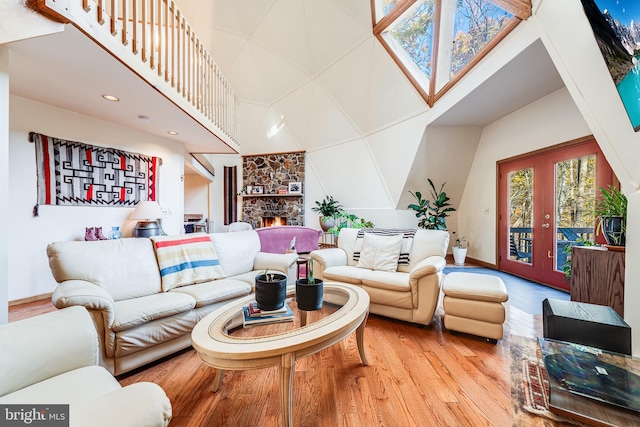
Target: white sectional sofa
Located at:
point(141, 315)
point(52, 359)
point(401, 270)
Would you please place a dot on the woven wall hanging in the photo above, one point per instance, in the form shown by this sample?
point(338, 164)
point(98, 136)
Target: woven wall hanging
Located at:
point(76, 174)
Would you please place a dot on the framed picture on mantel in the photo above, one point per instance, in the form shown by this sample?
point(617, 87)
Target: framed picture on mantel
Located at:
point(257, 189)
point(295, 188)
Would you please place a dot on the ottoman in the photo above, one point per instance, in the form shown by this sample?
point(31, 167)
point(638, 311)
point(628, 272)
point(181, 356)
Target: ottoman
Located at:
point(473, 304)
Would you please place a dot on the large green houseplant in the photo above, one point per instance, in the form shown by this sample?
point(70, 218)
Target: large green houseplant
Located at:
point(432, 214)
point(612, 210)
point(328, 208)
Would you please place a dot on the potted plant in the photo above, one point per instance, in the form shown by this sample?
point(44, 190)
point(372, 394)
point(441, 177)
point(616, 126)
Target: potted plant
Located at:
point(566, 268)
point(432, 216)
point(612, 210)
point(346, 220)
point(459, 251)
point(271, 290)
point(328, 208)
point(309, 291)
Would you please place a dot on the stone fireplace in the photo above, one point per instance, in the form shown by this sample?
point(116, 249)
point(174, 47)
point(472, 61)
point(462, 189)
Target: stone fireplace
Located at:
point(274, 205)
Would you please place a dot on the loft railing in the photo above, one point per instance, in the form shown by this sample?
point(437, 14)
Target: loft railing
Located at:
point(154, 39)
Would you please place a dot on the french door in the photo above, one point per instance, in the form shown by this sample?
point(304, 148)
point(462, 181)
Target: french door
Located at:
point(546, 204)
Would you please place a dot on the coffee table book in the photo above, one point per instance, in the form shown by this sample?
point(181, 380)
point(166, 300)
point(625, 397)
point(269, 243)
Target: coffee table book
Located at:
point(286, 316)
point(592, 385)
point(254, 311)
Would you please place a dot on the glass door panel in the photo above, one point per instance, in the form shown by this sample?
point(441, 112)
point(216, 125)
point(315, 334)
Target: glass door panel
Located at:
point(575, 205)
point(521, 215)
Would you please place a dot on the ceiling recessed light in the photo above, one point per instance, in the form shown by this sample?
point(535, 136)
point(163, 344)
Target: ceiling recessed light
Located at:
point(111, 97)
point(172, 132)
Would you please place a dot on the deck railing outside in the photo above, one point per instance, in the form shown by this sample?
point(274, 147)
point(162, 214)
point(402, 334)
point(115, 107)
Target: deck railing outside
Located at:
point(157, 37)
point(522, 237)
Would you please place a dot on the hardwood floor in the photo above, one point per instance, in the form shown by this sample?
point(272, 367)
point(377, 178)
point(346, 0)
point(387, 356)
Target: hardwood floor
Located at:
point(418, 376)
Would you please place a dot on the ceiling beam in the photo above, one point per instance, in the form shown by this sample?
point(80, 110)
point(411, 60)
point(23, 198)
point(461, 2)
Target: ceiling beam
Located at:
point(519, 8)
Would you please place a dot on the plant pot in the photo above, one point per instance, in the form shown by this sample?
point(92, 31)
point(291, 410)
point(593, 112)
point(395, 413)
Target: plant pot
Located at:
point(309, 297)
point(270, 294)
point(326, 222)
point(459, 255)
point(612, 230)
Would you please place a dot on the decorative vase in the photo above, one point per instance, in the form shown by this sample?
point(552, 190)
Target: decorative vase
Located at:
point(459, 255)
point(612, 230)
point(115, 233)
point(326, 222)
point(271, 291)
point(309, 297)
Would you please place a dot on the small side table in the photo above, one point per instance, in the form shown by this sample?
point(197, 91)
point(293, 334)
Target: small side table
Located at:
point(302, 262)
point(327, 240)
point(588, 324)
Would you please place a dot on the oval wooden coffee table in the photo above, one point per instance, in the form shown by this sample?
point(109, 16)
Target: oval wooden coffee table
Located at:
point(218, 346)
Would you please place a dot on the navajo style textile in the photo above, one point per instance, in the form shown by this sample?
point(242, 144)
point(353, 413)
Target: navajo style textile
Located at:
point(186, 260)
point(72, 173)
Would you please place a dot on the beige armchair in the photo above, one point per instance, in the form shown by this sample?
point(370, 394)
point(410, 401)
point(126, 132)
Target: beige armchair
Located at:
point(408, 290)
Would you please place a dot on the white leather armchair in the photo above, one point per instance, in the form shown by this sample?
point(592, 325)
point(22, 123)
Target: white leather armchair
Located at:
point(53, 359)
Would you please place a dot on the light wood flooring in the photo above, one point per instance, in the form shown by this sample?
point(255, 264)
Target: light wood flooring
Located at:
point(417, 376)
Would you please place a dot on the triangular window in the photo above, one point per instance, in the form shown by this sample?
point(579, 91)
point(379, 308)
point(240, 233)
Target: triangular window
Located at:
point(435, 42)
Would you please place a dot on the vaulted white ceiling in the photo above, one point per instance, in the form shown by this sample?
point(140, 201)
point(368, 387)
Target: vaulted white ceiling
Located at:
point(312, 65)
point(315, 63)
point(316, 66)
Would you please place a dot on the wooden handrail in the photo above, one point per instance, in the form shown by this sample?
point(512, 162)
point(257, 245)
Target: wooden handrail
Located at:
point(163, 45)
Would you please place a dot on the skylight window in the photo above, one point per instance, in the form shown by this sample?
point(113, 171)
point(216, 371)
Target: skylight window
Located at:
point(436, 42)
point(476, 24)
point(388, 6)
point(414, 33)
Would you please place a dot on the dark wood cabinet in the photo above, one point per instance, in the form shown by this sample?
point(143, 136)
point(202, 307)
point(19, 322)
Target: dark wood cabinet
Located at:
point(597, 276)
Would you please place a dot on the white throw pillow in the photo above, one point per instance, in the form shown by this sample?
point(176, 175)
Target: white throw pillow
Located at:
point(380, 252)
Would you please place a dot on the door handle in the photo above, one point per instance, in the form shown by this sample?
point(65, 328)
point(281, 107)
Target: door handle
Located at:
point(549, 254)
point(545, 225)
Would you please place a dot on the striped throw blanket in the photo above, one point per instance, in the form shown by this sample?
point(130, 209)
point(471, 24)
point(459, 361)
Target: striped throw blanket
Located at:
point(185, 260)
point(405, 249)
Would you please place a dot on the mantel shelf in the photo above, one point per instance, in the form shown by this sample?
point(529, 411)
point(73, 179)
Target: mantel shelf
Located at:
point(271, 195)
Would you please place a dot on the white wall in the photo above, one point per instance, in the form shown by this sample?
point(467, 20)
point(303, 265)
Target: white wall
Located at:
point(632, 272)
point(29, 273)
point(196, 195)
point(4, 184)
point(551, 120)
point(20, 22)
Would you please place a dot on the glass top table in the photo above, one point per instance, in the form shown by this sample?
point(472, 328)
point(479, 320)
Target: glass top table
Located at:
point(221, 341)
point(592, 385)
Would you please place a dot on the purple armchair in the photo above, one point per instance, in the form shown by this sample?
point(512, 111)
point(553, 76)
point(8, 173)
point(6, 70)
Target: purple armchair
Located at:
point(276, 240)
